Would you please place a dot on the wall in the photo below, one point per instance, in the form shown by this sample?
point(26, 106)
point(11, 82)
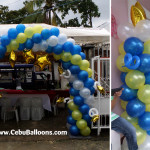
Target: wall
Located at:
point(120, 12)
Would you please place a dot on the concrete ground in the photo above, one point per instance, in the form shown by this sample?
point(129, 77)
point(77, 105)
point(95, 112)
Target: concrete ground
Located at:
point(58, 142)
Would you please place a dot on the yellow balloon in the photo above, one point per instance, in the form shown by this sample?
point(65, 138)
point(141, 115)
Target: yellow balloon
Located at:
point(76, 59)
point(21, 38)
point(86, 131)
point(135, 79)
point(121, 49)
point(57, 57)
point(146, 47)
point(8, 48)
point(84, 65)
point(14, 45)
point(89, 70)
point(144, 94)
point(72, 106)
point(128, 118)
point(140, 134)
point(37, 29)
point(65, 56)
point(147, 107)
point(124, 104)
point(29, 32)
point(120, 64)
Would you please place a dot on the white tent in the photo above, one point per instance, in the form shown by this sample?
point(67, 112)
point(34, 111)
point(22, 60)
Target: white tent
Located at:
point(81, 35)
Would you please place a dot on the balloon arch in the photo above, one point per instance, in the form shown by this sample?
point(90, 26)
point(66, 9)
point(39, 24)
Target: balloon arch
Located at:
point(74, 61)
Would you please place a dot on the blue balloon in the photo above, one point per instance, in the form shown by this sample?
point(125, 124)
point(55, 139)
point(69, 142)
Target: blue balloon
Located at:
point(20, 28)
point(84, 109)
point(12, 33)
point(68, 46)
point(76, 49)
point(83, 75)
point(78, 100)
point(122, 76)
point(92, 89)
point(87, 118)
point(89, 83)
point(71, 121)
point(49, 49)
point(135, 108)
point(148, 132)
point(74, 130)
point(5, 40)
point(131, 62)
point(73, 92)
point(58, 49)
point(69, 111)
point(29, 44)
point(147, 78)
point(144, 121)
point(54, 31)
point(145, 63)
point(82, 55)
point(128, 94)
point(66, 65)
point(21, 47)
point(133, 46)
point(37, 38)
point(70, 84)
point(74, 69)
point(2, 51)
point(45, 34)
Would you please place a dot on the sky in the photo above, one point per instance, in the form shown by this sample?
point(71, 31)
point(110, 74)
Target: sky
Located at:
point(103, 6)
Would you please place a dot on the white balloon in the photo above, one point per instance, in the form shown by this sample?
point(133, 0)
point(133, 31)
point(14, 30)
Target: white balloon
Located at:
point(89, 100)
point(142, 30)
point(125, 31)
point(85, 93)
point(62, 38)
point(93, 112)
point(78, 85)
point(52, 41)
point(43, 45)
point(146, 144)
point(72, 78)
point(36, 47)
point(71, 40)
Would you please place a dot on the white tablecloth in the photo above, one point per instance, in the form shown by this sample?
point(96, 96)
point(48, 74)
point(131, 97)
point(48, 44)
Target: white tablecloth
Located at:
point(45, 99)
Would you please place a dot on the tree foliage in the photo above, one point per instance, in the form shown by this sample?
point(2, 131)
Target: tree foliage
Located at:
point(46, 11)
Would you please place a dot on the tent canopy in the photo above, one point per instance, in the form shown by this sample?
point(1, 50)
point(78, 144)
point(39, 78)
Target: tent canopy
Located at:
point(81, 35)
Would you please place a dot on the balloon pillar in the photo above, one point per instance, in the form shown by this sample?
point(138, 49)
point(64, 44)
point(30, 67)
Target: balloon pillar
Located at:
point(134, 63)
point(28, 39)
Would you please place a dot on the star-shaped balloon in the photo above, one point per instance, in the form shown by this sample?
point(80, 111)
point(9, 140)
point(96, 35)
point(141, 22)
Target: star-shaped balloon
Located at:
point(60, 70)
point(12, 59)
point(29, 56)
point(137, 13)
point(95, 118)
point(100, 89)
point(60, 100)
point(42, 61)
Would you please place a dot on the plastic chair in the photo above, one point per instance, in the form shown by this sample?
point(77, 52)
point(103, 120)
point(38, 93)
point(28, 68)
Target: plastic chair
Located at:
point(8, 110)
point(25, 105)
point(37, 111)
point(115, 140)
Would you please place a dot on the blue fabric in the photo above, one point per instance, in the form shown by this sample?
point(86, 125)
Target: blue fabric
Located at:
point(127, 129)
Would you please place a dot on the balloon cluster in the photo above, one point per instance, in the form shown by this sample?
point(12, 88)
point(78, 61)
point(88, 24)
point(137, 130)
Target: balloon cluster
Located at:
point(72, 59)
point(134, 62)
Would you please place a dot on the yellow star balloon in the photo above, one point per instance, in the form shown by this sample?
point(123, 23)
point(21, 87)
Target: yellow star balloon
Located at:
point(95, 118)
point(60, 70)
point(60, 100)
point(42, 61)
point(137, 13)
point(29, 56)
point(101, 89)
point(12, 59)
